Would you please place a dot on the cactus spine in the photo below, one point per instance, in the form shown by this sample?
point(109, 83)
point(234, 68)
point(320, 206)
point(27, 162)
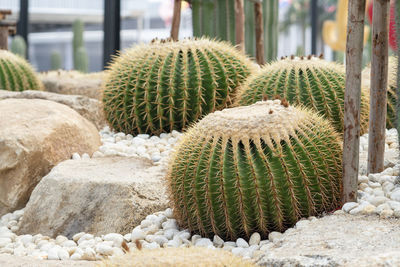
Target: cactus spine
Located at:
point(18, 46)
point(16, 74)
point(257, 168)
point(168, 85)
point(55, 59)
point(312, 82)
point(80, 55)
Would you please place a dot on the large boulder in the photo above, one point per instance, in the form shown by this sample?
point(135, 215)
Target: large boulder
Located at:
point(35, 135)
point(73, 83)
point(97, 196)
point(89, 108)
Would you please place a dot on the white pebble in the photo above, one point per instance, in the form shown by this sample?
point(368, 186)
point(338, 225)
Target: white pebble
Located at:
point(63, 254)
point(76, 156)
point(104, 249)
point(218, 242)
point(53, 254)
point(137, 234)
point(347, 207)
point(203, 242)
point(255, 239)
point(274, 236)
point(117, 239)
point(240, 242)
point(170, 224)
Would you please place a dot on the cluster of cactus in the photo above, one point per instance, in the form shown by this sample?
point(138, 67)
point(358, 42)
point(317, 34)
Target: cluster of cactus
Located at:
point(16, 74)
point(80, 55)
point(391, 90)
point(217, 19)
point(168, 85)
point(257, 168)
point(18, 46)
point(311, 82)
point(178, 257)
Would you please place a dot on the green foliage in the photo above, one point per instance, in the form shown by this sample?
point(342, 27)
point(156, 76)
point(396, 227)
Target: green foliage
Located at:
point(16, 74)
point(81, 63)
point(217, 19)
point(257, 168)
point(56, 61)
point(168, 85)
point(18, 46)
point(311, 82)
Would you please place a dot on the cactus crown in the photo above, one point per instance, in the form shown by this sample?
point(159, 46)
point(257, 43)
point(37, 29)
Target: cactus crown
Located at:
point(308, 81)
point(16, 74)
point(167, 85)
point(255, 168)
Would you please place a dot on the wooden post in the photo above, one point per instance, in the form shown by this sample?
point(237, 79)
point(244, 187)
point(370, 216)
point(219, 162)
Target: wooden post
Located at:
point(259, 32)
point(6, 27)
point(176, 19)
point(351, 136)
point(379, 72)
point(239, 24)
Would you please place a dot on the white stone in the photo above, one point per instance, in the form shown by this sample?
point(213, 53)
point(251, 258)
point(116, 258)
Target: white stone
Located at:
point(347, 207)
point(118, 251)
point(75, 156)
point(61, 239)
point(255, 239)
point(218, 242)
point(53, 254)
point(170, 224)
point(239, 251)
point(104, 249)
point(152, 245)
point(76, 256)
point(143, 136)
point(203, 242)
point(195, 238)
point(89, 254)
point(77, 236)
point(395, 195)
point(362, 179)
point(376, 201)
point(169, 213)
point(63, 254)
point(137, 234)
point(117, 239)
point(240, 242)
point(85, 156)
point(374, 184)
point(68, 244)
point(386, 213)
point(84, 238)
point(127, 237)
point(4, 241)
point(275, 236)
point(169, 233)
point(174, 243)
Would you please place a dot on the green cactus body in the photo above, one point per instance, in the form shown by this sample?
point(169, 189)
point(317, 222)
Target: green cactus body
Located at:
point(77, 40)
point(18, 46)
point(168, 85)
point(56, 62)
point(16, 74)
point(82, 63)
point(257, 168)
point(313, 82)
point(271, 20)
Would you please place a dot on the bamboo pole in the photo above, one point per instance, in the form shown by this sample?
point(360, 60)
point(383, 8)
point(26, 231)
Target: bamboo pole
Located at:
point(351, 136)
point(379, 72)
point(176, 19)
point(259, 32)
point(239, 24)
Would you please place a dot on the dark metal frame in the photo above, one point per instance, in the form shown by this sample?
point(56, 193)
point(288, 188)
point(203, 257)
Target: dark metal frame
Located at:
point(112, 25)
point(23, 23)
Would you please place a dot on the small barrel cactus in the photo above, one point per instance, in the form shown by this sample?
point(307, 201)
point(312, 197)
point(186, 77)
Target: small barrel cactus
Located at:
point(257, 168)
point(16, 74)
point(168, 85)
point(18, 46)
point(310, 82)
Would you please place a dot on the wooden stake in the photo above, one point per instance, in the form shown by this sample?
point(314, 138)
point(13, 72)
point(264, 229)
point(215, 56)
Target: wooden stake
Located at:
point(239, 24)
point(351, 136)
point(176, 19)
point(378, 91)
point(259, 32)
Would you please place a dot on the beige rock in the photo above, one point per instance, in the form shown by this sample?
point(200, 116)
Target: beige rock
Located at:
point(97, 196)
point(35, 135)
point(73, 83)
point(89, 108)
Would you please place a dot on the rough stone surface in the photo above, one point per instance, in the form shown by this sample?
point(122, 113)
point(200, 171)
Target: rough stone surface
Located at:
point(18, 261)
point(89, 108)
point(35, 135)
point(97, 196)
point(342, 240)
point(73, 83)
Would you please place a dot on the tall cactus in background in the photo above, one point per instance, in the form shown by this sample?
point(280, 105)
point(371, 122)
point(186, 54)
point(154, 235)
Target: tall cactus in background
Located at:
point(78, 47)
point(18, 46)
point(56, 62)
point(207, 12)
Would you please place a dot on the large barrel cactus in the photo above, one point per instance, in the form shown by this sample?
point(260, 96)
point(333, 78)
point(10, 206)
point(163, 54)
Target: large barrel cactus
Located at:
point(257, 168)
point(311, 82)
point(16, 74)
point(167, 85)
point(391, 90)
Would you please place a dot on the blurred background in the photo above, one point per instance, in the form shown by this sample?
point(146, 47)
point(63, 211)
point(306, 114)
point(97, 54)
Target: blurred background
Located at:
point(50, 28)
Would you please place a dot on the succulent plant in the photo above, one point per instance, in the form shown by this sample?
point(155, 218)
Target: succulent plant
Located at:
point(168, 85)
point(18, 46)
point(391, 90)
point(310, 82)
point(179, 257)
point(82, 63)
point(56, 61)
point(257, 168)
point(16, 74)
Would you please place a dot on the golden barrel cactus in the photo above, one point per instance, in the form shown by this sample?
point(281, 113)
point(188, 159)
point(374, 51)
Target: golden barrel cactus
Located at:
point(257, 168)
